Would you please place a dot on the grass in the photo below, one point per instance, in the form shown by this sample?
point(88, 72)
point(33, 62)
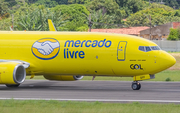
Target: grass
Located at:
point(53, 106)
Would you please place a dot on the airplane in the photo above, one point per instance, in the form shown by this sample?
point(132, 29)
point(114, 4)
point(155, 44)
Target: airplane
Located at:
point(68, 56)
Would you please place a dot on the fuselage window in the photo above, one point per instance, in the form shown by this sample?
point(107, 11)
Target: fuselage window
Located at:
point(141, 48)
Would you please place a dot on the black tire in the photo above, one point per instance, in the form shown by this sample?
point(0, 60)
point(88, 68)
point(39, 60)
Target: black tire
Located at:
point(12, 85)
point(139, 86)
point(134, 86)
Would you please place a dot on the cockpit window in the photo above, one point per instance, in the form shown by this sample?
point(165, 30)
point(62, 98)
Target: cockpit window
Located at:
point(155, 48)
point(149, 48)
point(141, 48)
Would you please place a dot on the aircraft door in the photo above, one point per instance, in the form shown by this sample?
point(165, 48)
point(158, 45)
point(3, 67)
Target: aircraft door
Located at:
point(121, 51)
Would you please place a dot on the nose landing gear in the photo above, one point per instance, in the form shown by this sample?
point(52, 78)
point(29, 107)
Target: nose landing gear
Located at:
point(136, 85)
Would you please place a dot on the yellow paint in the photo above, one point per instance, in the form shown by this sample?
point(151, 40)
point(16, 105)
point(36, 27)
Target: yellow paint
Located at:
point(51, 25)
point(95, 61)
point(32, 76)
point(141, 77)
point(60, 78)
point(6, 72)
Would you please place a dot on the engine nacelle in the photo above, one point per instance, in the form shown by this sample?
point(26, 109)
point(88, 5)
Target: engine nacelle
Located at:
point(12, 73)
point(63, 77)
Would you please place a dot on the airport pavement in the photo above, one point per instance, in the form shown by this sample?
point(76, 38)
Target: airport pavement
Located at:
point(105, 91)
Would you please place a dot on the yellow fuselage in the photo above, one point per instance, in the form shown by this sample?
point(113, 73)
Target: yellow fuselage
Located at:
point(83, 53)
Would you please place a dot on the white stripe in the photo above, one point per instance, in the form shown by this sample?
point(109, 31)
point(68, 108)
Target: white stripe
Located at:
point(91, 100)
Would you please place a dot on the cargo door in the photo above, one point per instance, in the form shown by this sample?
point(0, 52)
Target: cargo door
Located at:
point(121, 51)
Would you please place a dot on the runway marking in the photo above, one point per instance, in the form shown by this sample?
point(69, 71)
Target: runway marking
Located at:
point(94, 100)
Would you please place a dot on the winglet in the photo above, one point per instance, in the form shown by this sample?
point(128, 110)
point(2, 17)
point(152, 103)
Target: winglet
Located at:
point(51, 25)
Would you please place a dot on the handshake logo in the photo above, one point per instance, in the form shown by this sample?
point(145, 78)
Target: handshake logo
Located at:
point(46, 48)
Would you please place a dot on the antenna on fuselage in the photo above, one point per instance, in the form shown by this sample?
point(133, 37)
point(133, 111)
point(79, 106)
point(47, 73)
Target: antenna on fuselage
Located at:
point(10, 28)
point(51, 25)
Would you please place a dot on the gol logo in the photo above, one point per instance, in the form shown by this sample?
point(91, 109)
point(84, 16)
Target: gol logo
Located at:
point(46, 48)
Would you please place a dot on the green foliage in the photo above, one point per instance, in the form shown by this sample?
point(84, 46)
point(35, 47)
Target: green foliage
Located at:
point(101, 20)
point(108, 6)
point(172, 3)
point(58, 2)
point(168, 79)
point(177, 13)
point(5, 24)
point(173, 35)
point(160, 14)
point(155, 5)
point(83, 28)
point(11, 3)
point(77, 15)
point(34, 18)
point(47, 3)
point(3, 8)
point(78, 1)
point(108, 9)
point(74, 17)
point(131, 6)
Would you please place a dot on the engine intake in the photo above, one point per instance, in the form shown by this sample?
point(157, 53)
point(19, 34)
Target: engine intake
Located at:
point(78, 77)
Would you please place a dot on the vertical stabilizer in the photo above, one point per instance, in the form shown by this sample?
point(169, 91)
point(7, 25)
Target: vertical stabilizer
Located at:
point(51, 25)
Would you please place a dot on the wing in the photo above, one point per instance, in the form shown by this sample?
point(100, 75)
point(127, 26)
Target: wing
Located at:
point(23, 63)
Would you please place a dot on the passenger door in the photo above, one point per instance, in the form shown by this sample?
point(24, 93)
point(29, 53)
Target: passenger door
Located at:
point(121, 51)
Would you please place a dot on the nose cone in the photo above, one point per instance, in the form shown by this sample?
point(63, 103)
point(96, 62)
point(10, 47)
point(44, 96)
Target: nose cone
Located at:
point(167, 60)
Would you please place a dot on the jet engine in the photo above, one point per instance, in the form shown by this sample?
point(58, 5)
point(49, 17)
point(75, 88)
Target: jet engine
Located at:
point(63, 77)
point(12, 73)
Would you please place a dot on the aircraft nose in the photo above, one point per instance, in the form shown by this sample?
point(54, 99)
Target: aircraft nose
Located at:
point(168, 60)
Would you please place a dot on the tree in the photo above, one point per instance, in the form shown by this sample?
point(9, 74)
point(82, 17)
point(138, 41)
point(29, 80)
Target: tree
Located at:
point(107, 7)
point(172, 3)
point(173, 35)
point(78, 1)
point(156, 5)
point(47, 3)
point(4, 9)
point(130, 6)
point(77, 15)
point(101, 20)
point(160, 14)
point(11, 3)
point(35, 18)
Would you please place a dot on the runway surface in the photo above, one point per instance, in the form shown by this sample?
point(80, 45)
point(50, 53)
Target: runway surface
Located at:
point(105, 91)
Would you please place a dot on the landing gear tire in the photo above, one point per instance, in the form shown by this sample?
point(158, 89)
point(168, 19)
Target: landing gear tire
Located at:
point(136, 86)
point(12, 85)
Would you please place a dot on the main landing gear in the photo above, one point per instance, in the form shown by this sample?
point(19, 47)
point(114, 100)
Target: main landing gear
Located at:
point(136, 85)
